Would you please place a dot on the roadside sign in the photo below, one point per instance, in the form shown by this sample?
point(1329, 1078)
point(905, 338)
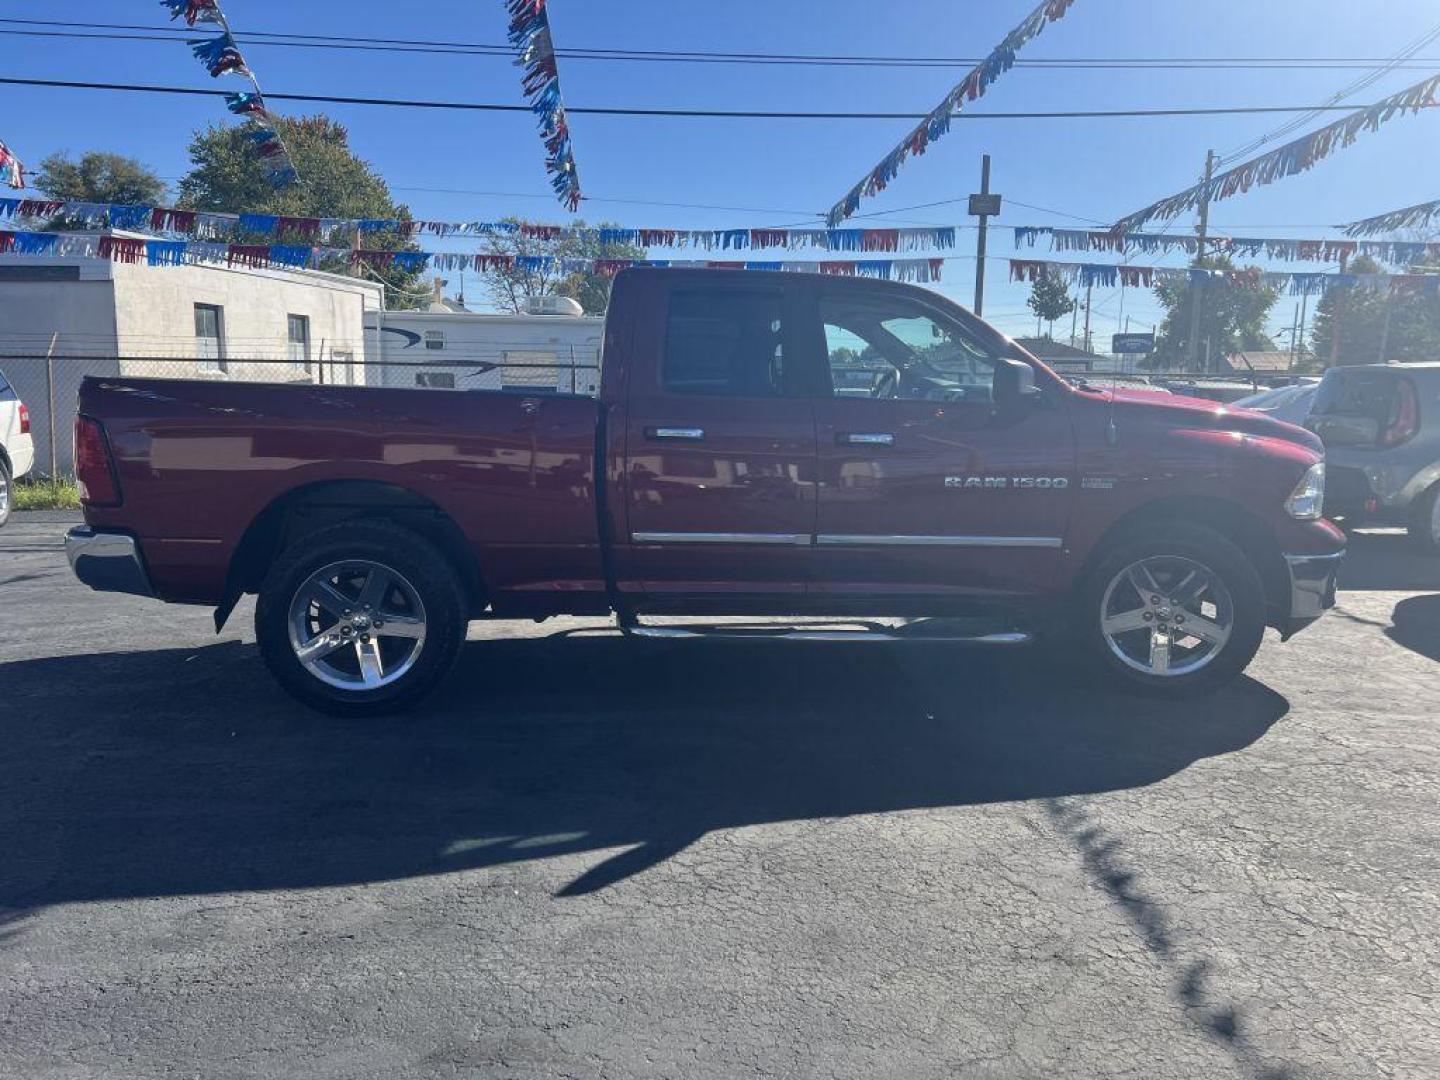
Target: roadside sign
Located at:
point(984, 205)
point(1122, 344)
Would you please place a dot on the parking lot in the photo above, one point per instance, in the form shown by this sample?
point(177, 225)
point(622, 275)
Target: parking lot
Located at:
point(591, 857)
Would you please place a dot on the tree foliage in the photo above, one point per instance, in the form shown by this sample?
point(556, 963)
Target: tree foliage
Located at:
point(225, 175)
point(1350, 324)
point(1232, 317)
point(509, 286)
point(1050, 299)
point(100, 177)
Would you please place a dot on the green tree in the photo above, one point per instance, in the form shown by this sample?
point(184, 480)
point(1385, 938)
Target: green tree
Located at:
point(509, 286)
point(1232, 316)
point(226, 175)
point(1050, 299)
point(100, 177)
point(1350, 323)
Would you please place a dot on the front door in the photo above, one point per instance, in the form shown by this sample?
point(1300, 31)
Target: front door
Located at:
point(929, 489)
point(719, 480)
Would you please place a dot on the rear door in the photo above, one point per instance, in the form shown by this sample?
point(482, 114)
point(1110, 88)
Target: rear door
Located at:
point(719, 473)
point(928, 490)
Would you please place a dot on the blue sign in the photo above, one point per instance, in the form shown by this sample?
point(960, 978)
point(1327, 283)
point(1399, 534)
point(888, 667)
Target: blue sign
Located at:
point(1122, 344)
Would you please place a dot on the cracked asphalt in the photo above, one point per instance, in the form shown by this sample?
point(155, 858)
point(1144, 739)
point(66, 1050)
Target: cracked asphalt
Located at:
point(598, 858)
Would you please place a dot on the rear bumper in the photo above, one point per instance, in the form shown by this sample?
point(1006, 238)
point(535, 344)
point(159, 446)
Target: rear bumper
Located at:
point(1312, 588)
point(107, 562)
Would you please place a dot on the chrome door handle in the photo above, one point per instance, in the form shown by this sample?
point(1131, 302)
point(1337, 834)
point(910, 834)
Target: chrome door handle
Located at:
point(866, 438)
point(683, 434)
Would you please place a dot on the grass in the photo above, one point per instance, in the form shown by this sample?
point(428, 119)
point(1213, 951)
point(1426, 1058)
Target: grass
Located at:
point(59, 494)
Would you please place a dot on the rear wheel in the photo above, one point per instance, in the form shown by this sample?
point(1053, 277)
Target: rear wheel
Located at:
point(7, 491)
point(1176, 609)
point(1425, 521)
point(361, 618)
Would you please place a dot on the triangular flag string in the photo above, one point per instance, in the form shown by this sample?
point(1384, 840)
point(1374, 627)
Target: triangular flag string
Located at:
point(535, 54)
point(1412, 217)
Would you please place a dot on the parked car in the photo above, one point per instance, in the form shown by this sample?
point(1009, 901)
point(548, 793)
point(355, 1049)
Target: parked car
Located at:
point(721, 471)
point(1381, 427)
point(17, 448)
point(1289, 403)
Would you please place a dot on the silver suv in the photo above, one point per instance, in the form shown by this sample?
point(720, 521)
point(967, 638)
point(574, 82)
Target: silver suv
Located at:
point(1381, 428)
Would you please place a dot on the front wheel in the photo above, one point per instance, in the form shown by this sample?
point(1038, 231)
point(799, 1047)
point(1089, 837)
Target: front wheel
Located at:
point(360, 618)
point(1174, 610)
point(1425, 522)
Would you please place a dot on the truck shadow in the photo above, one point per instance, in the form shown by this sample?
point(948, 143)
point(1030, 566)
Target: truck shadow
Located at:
point(185, 771)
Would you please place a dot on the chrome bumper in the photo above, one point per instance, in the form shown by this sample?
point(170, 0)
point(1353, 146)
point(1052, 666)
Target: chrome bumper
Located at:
point(1312, 588)
point(107, 562)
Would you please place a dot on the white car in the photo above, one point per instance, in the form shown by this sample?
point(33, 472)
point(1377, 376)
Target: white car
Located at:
point(17, 448)
point(1289, 403)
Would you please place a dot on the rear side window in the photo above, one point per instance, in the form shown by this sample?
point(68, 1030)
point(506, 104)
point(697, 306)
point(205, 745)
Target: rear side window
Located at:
point(1370, 394)
point(727, 342)
point(5, 391)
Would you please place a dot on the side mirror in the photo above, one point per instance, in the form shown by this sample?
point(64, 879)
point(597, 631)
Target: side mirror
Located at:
point(1014, 383)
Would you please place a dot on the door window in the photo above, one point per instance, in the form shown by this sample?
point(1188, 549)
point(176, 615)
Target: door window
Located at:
point(726, 342)
point(889, 347)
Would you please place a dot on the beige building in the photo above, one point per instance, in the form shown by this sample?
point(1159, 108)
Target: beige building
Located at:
point(63, 317)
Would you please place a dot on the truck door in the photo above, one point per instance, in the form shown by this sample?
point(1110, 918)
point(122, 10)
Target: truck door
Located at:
point(719, 467)
point(928, 488)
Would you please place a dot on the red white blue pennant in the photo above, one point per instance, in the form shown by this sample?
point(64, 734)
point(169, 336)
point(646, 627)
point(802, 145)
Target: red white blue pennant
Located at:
point(535, 53)
point(221, 55)
point(937, 123)
point(1412, 217)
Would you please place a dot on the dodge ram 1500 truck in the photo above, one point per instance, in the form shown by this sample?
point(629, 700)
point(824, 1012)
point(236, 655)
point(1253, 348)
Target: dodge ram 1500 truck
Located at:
point(763, 445)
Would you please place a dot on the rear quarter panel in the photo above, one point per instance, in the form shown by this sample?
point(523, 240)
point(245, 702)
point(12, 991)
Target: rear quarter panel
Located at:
point(198, 462)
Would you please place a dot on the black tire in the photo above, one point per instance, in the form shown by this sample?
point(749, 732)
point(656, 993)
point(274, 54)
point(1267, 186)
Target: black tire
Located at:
point(1178, 540)
point(7, 492)
point(420, 565)
point(1425, 522)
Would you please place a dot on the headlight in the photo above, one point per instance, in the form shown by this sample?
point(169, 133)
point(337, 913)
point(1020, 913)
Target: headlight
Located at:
point(1307, 501)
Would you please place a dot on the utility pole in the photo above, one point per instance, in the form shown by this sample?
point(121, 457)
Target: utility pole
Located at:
point(1197, 288)
point(1385, 327)
point(984, 206)
point(1304, 313)
point(1088, 289)
point(1074, 316)
point(1294, 334)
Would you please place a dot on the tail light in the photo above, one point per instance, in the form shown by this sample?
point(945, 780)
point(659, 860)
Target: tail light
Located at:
point(1407, 415)
point(24, 419)
point(94, 467)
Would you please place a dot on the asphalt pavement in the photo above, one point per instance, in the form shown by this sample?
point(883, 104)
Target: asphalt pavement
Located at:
point(597, 858)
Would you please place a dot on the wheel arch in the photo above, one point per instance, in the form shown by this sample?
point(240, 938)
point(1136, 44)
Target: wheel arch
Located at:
point(309, 507)
point(1230, 519)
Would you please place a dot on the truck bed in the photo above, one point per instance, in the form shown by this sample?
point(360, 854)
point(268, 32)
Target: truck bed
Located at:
point(200, 462)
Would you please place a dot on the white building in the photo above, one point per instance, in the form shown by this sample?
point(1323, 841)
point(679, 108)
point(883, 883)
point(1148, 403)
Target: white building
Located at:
point(442, 348)
point(91, 316)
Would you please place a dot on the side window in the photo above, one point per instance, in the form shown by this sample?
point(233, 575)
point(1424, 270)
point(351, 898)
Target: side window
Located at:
point(726, 342)
point(889, 347)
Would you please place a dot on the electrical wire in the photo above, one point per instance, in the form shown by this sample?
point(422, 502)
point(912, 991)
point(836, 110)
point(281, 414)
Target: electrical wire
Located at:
point(699, 56)
point(722, 114)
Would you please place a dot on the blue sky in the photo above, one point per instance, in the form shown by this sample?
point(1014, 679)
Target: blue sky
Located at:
point(442, 164)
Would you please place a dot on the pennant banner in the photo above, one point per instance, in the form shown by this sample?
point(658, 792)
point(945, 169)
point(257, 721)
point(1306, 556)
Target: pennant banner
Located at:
point(217, 225)
point(220, 55)
point(1109, 275)
point(128, 249)
point(12, 170)
point(535, 53)
point(1412, 217)
point(937, 123)
point(1292, 158)
point(1391, 252)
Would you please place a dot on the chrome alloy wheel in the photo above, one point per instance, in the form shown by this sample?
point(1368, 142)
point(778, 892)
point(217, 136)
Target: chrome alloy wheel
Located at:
point(357, 625)
point(1434, 520)
point(1166, 615)
point(4, 493)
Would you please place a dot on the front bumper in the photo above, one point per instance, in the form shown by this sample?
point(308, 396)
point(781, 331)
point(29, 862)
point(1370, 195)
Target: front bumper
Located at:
point(1312, 588)
point(107, 562)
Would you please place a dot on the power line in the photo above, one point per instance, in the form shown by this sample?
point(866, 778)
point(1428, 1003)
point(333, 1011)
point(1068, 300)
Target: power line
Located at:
point(466, 48)
point(713, 114)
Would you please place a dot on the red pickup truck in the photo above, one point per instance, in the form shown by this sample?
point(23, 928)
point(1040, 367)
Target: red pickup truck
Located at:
point(763, 445)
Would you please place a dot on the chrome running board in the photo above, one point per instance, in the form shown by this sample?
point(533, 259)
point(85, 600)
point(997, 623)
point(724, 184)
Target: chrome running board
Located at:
point(820, 633)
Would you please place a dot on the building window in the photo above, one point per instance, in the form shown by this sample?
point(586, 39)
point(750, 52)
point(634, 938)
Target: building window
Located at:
point(435, 339)
point(530, 370)
point(435, 380)
point(299, 342)
point(210, 337)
